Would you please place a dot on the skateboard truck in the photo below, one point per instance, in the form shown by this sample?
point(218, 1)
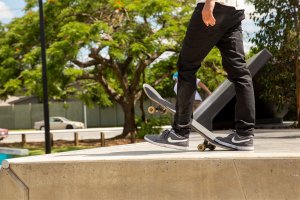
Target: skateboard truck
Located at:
point(153, 109)
point(205, 145)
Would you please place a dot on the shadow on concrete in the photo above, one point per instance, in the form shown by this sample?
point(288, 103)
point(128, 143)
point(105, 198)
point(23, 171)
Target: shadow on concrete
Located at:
point(129, 153)
point(258, 131)
point(138, 153)
point(278, 137)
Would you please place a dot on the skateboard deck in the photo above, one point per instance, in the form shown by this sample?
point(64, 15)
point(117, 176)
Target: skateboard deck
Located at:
point(204, 132)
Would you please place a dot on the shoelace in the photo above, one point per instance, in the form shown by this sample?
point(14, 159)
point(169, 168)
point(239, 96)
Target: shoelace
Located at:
point(232, 131)
point(166, 133)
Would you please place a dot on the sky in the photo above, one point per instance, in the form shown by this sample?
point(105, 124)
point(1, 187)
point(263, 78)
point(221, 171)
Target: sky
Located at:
point(10, 9)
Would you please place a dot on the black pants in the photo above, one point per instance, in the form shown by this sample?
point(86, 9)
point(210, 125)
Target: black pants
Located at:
point(199, 40)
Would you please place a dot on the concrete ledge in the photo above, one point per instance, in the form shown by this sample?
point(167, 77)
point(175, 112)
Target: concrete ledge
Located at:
point(12, 187)
point(158, 179)
point(14, 151)
point(143, 171)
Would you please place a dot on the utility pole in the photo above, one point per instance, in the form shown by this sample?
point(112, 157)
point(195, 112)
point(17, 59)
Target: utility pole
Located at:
point(45, 81)
point(297, 18)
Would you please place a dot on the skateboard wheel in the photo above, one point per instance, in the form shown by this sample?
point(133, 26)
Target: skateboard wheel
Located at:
point(211, 147)
point(201, 147)
point(151, 109)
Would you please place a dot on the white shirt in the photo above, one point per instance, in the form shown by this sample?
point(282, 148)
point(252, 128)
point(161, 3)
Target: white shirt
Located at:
point(238, 4)
point(197, 96)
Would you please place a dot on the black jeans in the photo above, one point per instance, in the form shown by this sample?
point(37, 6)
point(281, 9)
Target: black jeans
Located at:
point(199, 40)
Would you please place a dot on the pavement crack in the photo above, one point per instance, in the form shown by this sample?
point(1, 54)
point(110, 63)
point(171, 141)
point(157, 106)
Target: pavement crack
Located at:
point(239, 180)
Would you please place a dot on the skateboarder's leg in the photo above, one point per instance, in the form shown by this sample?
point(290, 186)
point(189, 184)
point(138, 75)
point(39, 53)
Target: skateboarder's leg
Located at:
point(231, 47)
point(233, 58)
point(199, 40)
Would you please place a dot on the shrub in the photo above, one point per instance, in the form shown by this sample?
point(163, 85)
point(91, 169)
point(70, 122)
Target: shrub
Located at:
point(152, 125)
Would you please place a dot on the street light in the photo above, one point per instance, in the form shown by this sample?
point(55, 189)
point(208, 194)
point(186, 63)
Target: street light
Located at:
point(45, 82)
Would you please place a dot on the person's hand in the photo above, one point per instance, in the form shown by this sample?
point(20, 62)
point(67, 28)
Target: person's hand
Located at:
point(207, 13)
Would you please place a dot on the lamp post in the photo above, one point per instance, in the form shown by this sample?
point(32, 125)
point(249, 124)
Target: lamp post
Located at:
point(45, 81)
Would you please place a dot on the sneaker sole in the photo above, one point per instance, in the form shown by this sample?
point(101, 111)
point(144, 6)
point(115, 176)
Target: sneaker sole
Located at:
point(166, 145)
point(240, 148)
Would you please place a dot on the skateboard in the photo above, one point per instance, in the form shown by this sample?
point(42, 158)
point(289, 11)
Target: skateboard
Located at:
point(165, 106)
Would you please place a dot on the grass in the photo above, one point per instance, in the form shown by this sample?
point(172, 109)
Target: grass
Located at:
point(33, 151)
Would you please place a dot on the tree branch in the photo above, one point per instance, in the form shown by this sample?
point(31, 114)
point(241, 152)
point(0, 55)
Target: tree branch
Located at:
point(216, 69)
point(84, 64)
point(100, 60)
point(87, 77)
point(140, 68)
point(112, 93)
point(114, 66)
point(158, 81)
point(122, 79)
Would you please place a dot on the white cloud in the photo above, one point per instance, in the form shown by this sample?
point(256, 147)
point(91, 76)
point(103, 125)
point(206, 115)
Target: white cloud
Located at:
point(5, 12)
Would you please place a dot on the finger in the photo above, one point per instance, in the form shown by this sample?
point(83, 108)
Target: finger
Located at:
point(211, 23)
point(208, 18)
point(212, 20)
point(205, 20)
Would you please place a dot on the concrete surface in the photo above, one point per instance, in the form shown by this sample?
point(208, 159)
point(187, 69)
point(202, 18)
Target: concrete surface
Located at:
point(144, 171)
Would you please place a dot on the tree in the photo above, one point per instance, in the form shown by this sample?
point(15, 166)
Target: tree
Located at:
point(280, 32)
point(118, 40)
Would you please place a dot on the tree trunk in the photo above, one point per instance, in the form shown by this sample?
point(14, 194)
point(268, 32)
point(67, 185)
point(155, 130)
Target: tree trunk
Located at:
point(298, 66)
point(129, 120)
point(298, 89)
point(142, 101)
point(142, 107)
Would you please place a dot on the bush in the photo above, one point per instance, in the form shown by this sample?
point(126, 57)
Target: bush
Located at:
point(152, 125)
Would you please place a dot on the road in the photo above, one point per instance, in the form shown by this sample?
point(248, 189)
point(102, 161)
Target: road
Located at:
point(90, 133)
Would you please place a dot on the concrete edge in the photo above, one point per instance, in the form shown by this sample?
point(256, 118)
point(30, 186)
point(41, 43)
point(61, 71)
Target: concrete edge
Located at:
point(18, 186)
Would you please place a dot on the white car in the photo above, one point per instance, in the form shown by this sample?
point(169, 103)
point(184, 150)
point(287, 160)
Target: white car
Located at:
point(59, 123)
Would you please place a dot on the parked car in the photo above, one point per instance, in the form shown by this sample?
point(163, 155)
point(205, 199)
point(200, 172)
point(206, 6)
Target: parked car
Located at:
point(58, 123)
point(3, 133)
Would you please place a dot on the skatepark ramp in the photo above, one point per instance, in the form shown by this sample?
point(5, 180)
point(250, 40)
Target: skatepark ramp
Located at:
point(146, 172)
point(212, 105)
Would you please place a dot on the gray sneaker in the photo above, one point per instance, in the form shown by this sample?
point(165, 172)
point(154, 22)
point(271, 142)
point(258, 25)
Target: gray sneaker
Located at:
point(169, 139)
point(237, 142)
